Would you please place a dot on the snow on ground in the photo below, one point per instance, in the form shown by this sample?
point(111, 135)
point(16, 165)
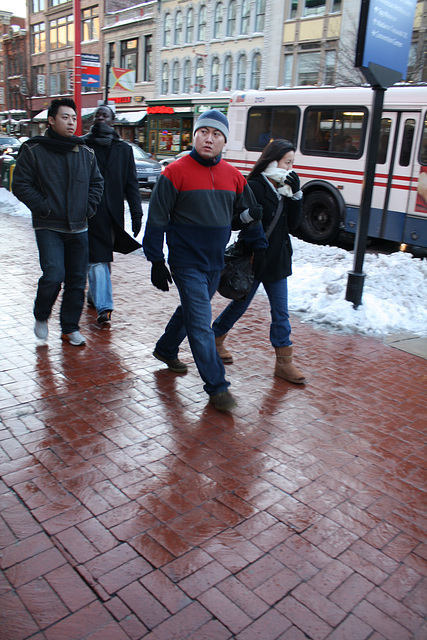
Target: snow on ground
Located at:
point(394, 293)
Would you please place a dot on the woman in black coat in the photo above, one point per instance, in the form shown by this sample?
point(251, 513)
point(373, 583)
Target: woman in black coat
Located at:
point(271, 181)
point(106, 229)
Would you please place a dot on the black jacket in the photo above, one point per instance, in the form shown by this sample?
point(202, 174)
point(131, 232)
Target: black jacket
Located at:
point(279, 251)
point(106, 229)
point(62, 190)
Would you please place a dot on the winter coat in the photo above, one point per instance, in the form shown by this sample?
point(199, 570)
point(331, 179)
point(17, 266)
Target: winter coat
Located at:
point(106, 229)
point(279, 251)
point(62, 190)
point(196, 202)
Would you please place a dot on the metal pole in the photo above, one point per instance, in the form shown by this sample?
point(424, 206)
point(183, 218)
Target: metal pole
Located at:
point(78, 66)
point(356, 277)
point(107, 80)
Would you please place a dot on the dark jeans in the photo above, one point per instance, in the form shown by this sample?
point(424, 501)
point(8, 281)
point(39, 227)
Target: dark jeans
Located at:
point(63, 259)
point(193, 318)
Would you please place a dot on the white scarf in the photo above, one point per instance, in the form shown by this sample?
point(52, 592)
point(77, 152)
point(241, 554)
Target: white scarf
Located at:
point(273, 172)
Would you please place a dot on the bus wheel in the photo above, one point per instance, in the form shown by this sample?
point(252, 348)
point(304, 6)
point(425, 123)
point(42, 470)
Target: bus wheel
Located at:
point(321, 218)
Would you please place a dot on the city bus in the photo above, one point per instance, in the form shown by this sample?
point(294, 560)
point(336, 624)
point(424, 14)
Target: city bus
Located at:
point(330, 129)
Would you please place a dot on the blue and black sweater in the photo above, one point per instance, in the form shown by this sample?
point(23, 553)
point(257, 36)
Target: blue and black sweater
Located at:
point(197, 202)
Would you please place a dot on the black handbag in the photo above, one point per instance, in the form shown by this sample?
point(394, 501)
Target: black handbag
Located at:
point(237, 276)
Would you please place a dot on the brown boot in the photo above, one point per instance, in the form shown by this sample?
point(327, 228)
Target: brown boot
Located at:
point(284, 367)
point(225, 355)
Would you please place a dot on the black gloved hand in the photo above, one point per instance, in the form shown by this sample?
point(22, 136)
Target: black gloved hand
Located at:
point(136, 225)
point(160, 275)
point(292, 180)
point(251, 215)
point(258, 262)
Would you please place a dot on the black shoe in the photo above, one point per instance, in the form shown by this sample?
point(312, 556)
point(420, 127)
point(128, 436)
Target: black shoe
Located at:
point(173, 363)
point(223, 401)
point(104, 317)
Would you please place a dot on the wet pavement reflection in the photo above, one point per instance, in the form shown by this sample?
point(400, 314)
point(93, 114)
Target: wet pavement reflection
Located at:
point(130, 508)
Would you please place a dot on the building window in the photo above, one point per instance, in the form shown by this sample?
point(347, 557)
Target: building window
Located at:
point(231, 18)
point(167, 39)
point(56, 3)
point(148, 59)
point(112, 53)
point(293, 9)
point(336, 6)
point(38, 80)
point(215, 75)
point(259, 15)
point(60, 77)
point(228, 73)
point(61, 32)
point(246, 14)
point(314, 7)
point(256, 71)
point(129, 55)
point(178, 28)
point(308, 68)
point(287, 70)
point(241, 73)
point(190, 26)
point(201, 36)
point(199, 76)
point(38, 38)
point(219, 15)
point(90, 24)
point(37, 5)
point(187, 77)
point(329, 68)
point(175, 77)
point(165, 78)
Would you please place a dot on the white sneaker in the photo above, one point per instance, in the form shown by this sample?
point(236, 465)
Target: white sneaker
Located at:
point(75, 338)
point(40, 329)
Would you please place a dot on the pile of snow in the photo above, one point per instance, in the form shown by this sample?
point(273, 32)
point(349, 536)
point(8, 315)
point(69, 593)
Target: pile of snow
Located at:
point(394, 296)
point(394, 293)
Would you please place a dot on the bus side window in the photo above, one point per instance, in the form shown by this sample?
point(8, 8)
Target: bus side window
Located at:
point(269, 123)
point(423, 148)
point(407, 139)
point(384, 138)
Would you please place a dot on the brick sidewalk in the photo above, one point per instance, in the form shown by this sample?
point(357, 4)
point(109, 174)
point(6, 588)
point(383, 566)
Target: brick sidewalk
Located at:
point(130, 508)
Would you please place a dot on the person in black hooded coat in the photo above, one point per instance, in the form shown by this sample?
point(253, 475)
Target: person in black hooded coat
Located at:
point(106, 230)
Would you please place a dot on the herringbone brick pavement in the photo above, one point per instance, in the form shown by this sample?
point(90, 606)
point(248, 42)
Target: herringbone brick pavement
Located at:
point(130, 508)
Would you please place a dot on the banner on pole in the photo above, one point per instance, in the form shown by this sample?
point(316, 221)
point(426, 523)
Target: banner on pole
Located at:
point(122, 79)
point(91, 70)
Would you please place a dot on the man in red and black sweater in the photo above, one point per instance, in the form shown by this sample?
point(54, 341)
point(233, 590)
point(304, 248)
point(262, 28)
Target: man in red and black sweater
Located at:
point(196, 202)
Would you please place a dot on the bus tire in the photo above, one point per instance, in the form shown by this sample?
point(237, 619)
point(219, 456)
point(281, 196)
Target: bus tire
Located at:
point(321, 218)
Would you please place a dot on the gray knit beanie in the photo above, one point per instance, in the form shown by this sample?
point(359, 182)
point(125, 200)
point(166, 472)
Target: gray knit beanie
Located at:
point(213, 118)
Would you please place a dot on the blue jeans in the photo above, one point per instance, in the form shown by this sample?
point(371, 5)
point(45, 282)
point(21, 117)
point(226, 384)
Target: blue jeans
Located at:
point(63, 259)
point(100, 287)
point(193, 319)
point(280, 328)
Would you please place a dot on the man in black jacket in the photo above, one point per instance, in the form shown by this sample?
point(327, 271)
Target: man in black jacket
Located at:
point(57, 178)
point(106, 229)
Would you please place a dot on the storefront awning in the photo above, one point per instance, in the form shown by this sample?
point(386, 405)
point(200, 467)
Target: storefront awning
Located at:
point(86, 113)
point(130, 117)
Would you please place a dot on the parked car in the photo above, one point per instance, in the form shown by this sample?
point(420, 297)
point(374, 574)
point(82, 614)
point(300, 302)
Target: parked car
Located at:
point(148, 170)
point(165, 161)
point(9, 145)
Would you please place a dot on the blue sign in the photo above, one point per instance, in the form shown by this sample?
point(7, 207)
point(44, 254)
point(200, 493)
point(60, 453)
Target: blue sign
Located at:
point(388, 34)
point(91, 70)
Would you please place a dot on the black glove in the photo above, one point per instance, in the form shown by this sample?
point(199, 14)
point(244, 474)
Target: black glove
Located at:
point(292, 180)
point(160, 275)
point(251, 215)
point(258, 263)
point(136, 225)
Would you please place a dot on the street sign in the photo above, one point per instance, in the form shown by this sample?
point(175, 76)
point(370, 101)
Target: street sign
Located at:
point(384, 40)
